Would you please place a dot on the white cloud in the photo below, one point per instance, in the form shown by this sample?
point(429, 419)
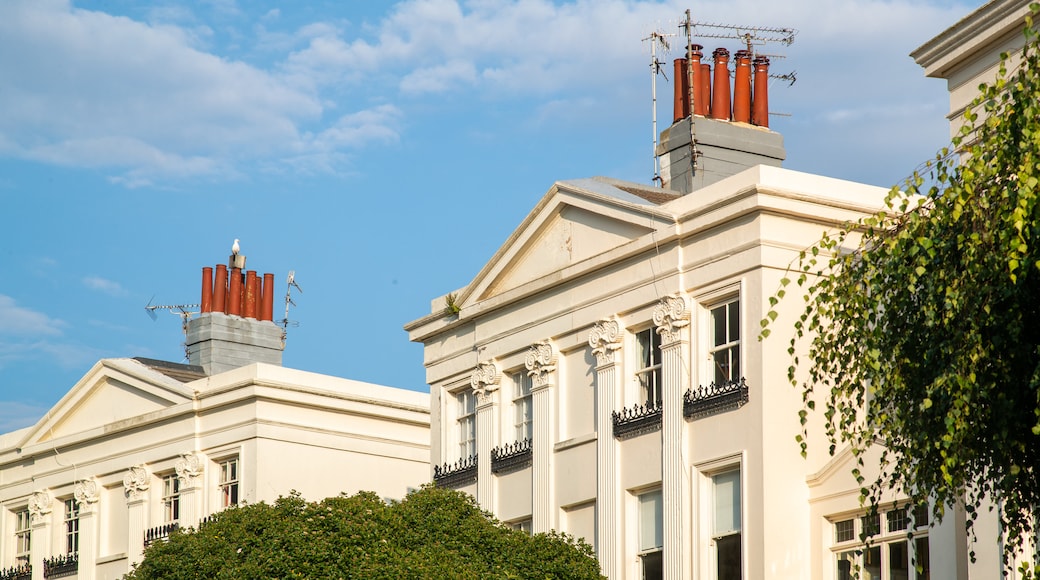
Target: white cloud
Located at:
point(20, 321)
point(106, 286)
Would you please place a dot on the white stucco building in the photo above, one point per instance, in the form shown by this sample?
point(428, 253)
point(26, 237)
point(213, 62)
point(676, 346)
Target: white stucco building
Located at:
point(602, 376)
point(139, 446)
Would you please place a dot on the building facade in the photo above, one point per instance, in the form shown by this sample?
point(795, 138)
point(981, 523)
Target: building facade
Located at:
point(602, 376)
point(139, 447)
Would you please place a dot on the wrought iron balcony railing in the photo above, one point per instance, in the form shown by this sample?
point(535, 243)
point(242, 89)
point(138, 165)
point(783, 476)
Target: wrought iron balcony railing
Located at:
point(456, 474)
point(61, 566)
point(159, 533)
point(637, 420)
point(705, 401)
point(511, 457)
point(23, 572)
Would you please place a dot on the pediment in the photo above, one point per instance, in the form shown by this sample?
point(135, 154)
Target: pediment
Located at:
point(570, 225)
point(835, 477)
point(113, 390)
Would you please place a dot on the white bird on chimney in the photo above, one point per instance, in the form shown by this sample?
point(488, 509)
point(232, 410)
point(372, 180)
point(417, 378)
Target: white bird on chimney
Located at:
point(235, 248)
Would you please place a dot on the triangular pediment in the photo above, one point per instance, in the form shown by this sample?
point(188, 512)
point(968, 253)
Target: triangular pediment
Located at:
point(574, 222)
point(113, 390)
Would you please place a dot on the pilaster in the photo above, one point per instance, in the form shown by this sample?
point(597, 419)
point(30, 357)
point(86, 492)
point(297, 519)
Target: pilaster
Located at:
point(485, 383)
point(541, 367)
point(189, 471)
point(605, 340)
point(135, 484)
point(87, 493)
point(672, 318)
point(41, 503)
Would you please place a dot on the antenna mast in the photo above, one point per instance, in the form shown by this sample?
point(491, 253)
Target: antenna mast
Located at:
point(655, 69)
point(290, 283)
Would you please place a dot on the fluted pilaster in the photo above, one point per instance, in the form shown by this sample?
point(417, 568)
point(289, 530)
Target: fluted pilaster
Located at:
point(672, 319)
point(541, 366)
point(485, 383)
point(605, 340)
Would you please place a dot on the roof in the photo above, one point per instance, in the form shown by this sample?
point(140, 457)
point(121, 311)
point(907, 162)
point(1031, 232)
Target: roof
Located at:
point(179, 371)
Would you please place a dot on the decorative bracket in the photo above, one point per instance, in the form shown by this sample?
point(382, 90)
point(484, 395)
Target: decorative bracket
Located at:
point(670, 317)
point(605, 340)
point(540, 363)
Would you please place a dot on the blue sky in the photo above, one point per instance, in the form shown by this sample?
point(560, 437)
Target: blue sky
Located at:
point(383, 151)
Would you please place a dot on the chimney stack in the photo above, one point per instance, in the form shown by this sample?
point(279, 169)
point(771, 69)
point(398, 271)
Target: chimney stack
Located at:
point(235, 327)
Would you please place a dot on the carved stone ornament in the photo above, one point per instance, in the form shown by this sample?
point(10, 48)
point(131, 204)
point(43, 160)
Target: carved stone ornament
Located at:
point(540, 363)
point(605, 339)
point(189, 468)
point(484, 380)
point(40, 503)
point(670, 317)
point(86, 492)
point(135, 482)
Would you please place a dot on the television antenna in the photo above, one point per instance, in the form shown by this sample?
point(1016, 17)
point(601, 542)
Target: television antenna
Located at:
point(290, 283)
point(182, 310)
point(751, 36)
point(656, 37)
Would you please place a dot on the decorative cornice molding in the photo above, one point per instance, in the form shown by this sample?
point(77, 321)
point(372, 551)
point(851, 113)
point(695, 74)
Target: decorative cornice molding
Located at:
point(605, 339)
point(670, 317)
point(135, 482)
point(87, 493)
point(541, 363)
point(484, 379)
point(40, 504)
point(189, 468)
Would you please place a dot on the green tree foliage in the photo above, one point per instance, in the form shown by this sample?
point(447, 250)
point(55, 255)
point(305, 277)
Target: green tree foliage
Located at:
point(432, 533)
point(923, 320)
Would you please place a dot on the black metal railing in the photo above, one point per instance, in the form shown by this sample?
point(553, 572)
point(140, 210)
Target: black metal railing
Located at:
point(637, 419)
point(456, 474)
point(511, 457)
point(61, 566)
point(159, 533)
point(705, 401)
point(23, 572)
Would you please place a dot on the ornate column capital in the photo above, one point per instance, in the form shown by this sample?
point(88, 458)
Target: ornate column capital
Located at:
point(189, 468)
point(135, 482)
point(670, 317)
point(87, 493)
point(484, 379)
point(605, 340)
point(41, 502)
point(541, 363)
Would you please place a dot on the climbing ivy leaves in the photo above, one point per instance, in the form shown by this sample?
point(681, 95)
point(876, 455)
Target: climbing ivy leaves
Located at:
point(921, 325)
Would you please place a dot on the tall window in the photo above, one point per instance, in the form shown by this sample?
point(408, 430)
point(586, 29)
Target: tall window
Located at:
point(467, 421)
point(725, 341)
point(229, 482)
point(651, 535)
point(875, 546)
point(71, 526)
point(171, 498)
point(648, 347)
point(522, 383)
point(726, 526)
point(22, 537)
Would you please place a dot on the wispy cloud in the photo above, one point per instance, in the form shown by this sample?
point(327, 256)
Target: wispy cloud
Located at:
point(17, 320)
point(103, 285)
point(14, 415)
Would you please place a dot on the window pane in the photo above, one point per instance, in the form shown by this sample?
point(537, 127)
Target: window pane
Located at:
point(844, 531)
point(871, 525)
point(651, 524)
point(653, 568)
point(920, 516)
point(897, 520)
point(727, 553)
point(871, 563)
point(733, 315)
point(924, 569)
point(718, 322)
point(845, 562)
point(898, 561)
point(727, 502)
point(645, 342)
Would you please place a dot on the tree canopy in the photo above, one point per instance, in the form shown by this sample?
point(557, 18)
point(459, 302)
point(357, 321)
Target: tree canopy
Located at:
point(432, 533)
point(922, 321)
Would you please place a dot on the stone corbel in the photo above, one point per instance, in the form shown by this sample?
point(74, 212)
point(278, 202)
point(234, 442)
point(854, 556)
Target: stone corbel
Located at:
point(87, 493)
point(541, 363)
point(41, 503)
point(136, 482)
point(484, 380)
point(605, 340)
point(189, 467)
point(671, 316)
